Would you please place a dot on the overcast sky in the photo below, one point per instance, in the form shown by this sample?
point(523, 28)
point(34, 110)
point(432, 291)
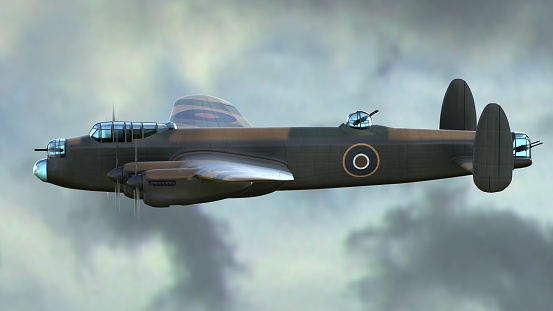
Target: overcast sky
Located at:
point(426, 246)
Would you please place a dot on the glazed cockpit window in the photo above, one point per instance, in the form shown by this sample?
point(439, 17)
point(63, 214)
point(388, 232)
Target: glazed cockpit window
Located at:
point(106, 129)
point(126, 132)
point(119, 131)
point(95, 132)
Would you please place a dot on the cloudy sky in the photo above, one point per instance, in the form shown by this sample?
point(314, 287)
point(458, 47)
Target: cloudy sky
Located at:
point(439, 245)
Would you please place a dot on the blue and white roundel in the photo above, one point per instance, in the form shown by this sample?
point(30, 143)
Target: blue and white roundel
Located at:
point(360, 160)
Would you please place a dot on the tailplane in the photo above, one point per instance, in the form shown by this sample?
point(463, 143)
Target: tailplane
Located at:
point(497, 150)
point(458, 110)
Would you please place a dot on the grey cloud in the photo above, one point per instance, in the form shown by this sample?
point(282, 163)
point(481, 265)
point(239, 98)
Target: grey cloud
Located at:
point(11, 299)
point(203, 260)
point(544, 124)
point(443, 253)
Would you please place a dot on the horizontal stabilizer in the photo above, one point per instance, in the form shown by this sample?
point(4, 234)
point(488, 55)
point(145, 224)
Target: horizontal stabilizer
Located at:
point(458, 110)
point(493, 151)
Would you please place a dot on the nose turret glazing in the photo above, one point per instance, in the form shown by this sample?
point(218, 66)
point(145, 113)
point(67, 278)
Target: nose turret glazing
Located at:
point(56, 148)
point(40, 170)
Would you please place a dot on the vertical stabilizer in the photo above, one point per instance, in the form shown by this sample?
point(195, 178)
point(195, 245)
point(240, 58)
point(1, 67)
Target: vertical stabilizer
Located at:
point(458, 111)
point(493, 159)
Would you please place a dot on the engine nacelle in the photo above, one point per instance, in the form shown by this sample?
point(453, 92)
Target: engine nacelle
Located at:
point(177, 186)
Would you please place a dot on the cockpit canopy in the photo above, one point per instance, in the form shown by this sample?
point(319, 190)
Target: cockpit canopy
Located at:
point(127, 131)
point(359, 120)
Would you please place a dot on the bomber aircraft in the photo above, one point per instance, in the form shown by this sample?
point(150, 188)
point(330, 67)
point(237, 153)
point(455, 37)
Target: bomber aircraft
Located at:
point(209, 152)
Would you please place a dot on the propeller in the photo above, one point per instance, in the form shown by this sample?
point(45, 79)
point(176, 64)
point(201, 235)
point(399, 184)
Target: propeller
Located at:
point(117, 173)
point(118, 179)
point(136, 194)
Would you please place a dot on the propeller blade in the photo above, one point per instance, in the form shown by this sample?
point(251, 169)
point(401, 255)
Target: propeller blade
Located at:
point(116, 151)
point(135, 183)
point(118, 178)
point(135, 156)
point(135, 200)
point(136, 194)
point(117, 192)
point(138, 208)
point(117, 184)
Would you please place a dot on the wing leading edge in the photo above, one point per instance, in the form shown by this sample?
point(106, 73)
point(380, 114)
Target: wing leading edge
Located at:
point(206, 111)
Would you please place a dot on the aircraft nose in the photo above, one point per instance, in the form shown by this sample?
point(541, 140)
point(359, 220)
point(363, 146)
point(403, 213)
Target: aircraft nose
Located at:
point(40, 170)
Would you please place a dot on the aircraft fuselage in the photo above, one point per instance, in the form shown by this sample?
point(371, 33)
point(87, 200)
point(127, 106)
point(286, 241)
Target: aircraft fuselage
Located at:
point(318, 157)
point(208, 151)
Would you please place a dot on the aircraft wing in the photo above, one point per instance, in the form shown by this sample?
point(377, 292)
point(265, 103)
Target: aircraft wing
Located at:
point(231, 168)
point(206, 111)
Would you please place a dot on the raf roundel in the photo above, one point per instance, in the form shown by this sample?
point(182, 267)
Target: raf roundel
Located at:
point(361, 160)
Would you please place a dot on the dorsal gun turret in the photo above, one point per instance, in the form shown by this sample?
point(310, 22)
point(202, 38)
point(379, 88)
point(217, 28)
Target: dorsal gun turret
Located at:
point(360, 119)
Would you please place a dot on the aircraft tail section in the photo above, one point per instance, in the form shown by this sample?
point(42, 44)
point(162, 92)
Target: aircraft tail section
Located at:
point(458, 110)
point(493, 160)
